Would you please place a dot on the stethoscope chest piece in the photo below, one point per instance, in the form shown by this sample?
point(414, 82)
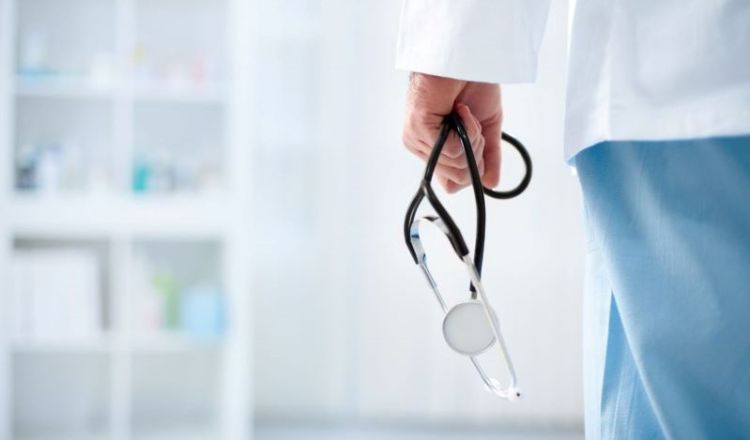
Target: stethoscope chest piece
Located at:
point(466, 329)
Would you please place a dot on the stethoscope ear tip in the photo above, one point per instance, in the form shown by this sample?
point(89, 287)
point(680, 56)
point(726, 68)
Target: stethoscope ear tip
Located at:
point(510, 394)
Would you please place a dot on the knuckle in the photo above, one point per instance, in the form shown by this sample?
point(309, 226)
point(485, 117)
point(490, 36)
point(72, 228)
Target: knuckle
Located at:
point(453, 149)
point(460, 164)
point(475, 131)
point(419, 116)
point(453, 153)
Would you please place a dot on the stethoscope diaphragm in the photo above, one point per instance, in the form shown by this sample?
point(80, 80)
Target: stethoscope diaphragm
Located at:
point(466, 329)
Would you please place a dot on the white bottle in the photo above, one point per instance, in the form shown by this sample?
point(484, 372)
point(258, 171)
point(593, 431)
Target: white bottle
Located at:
point(50, 169)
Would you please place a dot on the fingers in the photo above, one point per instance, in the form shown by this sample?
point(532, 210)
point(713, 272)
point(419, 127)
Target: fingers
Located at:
point(430, 99)
point(455, 179)
point(458, 176)
point(453, 147)
point(420, 134)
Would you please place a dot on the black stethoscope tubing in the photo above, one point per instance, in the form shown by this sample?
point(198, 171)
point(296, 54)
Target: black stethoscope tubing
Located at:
point(453, 122)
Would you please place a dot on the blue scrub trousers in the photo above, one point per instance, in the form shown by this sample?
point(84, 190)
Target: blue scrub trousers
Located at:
point(667, 297)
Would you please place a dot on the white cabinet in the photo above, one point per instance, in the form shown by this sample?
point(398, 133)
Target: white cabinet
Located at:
point(124, 158)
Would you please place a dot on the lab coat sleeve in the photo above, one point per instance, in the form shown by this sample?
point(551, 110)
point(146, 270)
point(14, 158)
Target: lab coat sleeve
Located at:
point(494, 41)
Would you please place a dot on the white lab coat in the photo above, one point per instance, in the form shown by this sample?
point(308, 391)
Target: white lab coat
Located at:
point(638, 69)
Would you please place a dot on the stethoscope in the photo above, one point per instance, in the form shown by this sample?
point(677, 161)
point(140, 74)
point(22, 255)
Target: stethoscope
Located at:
point(470, 327)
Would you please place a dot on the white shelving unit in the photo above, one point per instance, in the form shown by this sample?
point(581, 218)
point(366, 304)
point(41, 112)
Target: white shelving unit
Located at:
point(118, 80)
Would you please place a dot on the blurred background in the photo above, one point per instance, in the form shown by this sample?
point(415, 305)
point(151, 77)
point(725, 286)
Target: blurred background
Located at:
point(200, 232)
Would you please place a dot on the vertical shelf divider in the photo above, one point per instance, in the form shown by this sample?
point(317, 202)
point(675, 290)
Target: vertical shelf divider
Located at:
point(121, 319)
point(123, 126)
point(7, 41)
point(121, 245)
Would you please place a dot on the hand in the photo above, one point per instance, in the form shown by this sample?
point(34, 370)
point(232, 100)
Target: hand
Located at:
point(429, 99)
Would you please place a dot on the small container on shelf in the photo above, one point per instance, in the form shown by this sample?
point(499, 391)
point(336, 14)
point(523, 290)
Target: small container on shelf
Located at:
point(160, 171)
point(202, 312)
point(58, 167)
point(186, 76)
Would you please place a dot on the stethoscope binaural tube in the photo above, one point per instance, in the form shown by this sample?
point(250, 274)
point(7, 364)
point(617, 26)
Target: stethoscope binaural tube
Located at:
point(447, 225)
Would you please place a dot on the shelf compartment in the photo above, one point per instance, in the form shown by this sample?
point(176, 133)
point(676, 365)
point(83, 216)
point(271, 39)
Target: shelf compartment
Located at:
point(59, 297)
point(177, 293)
point(60, 395)
point(172, 391)
point(63, 145)
point(178, 148)
point(71, 38)
point(190, 52)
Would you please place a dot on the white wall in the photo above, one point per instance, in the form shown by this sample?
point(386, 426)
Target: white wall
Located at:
point(350, 329)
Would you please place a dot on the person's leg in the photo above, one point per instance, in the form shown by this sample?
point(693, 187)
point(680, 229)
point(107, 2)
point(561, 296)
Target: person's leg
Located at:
point(620, 393)
point(668, 288)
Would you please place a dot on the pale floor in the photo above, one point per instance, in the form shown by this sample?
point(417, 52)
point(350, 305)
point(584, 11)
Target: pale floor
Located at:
point(274, 432)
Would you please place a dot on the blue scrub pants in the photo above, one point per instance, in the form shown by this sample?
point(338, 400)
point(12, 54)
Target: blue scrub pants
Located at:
point(667, 298)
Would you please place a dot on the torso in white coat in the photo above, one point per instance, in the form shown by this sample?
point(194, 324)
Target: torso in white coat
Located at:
point(639, 69)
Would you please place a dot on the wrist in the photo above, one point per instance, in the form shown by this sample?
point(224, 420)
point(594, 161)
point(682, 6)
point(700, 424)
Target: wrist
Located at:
point(435, 94)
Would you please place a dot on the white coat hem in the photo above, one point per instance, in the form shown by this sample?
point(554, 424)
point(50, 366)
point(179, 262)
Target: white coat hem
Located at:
point(725, 116)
